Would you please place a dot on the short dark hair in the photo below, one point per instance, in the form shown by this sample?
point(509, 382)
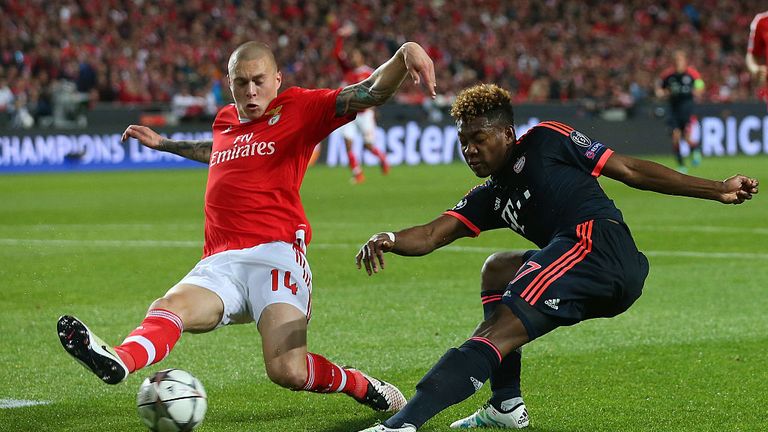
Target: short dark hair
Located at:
point(487, 100)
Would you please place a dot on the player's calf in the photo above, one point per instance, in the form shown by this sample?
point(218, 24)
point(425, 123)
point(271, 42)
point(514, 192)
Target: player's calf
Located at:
point(287, 375)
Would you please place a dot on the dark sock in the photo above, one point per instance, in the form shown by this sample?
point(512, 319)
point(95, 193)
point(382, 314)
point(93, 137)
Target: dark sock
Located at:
point(505, 380)
point(490, 300)
point(680, 160)
point(455, 377)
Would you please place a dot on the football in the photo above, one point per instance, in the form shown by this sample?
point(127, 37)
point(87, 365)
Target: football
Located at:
point(171, 400)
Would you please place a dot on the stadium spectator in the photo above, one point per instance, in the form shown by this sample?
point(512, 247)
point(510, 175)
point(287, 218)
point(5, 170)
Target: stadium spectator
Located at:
point(22, 118)
point(580, 46)
point(254, 268)
point(682, 85)
point(6, 101)
point(543, 186)
point(186, 106)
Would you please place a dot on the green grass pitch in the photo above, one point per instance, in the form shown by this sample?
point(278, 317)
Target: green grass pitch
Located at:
point(690, 355)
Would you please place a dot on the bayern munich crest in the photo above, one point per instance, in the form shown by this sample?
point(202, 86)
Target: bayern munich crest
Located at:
point(518, 167)
point(580, 139)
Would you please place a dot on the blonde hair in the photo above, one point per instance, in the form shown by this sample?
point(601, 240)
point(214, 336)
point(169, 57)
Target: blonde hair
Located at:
point(251, 51)
point(481, 99)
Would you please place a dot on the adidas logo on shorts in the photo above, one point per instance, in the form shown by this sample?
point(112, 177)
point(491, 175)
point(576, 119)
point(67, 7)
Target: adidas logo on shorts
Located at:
point(553, 303)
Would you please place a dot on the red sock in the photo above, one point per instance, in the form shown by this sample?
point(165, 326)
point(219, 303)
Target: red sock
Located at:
point(353, 165)
point(379, 154)
point(152, 340)
point(326, 377)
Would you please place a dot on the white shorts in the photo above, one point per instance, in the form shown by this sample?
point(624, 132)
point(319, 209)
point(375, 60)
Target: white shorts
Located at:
point(364, 124)
point(249, 280)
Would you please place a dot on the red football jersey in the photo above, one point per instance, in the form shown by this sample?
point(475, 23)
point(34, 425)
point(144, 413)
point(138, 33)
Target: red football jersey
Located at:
point(256, 169)
point(758, 36)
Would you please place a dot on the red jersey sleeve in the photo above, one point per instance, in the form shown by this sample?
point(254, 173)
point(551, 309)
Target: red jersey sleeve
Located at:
point(320, 112)
point(758, 33)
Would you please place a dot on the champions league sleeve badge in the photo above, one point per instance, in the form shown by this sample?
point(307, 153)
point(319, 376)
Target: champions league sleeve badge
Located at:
point(580, 139)
point(519, 164)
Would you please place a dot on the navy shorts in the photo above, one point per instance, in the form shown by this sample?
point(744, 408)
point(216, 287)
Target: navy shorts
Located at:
point(592, 270)
point(680, 116)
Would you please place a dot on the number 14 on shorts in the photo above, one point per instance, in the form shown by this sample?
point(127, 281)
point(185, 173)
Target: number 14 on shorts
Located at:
point(286, 281)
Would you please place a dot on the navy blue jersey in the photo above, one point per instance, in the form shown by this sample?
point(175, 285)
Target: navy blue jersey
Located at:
point(549, 185)
point(680, 85)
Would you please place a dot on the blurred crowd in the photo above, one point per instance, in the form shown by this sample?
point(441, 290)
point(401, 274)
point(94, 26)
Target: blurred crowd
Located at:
point(174, 53)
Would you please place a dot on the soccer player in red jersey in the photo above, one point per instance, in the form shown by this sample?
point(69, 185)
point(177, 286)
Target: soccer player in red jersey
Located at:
point(254, 266)
point(542, 185)
point(682, 84)
point(757, 52)
point(355, 70)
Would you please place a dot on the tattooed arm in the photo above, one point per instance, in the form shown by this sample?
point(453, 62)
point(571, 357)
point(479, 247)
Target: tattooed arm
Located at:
point(410, 59)
point(196, 150)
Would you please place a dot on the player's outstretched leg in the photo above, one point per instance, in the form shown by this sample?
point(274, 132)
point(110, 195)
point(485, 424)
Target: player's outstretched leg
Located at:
point(512, 415)
point(357, 170)
point(381, 156)
point(90, 351)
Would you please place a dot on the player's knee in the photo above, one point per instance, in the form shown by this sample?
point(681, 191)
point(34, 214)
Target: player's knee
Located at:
point(498, 269)
point(196, 319)
point(504, 329)
point(167, 303)
point(288, 376)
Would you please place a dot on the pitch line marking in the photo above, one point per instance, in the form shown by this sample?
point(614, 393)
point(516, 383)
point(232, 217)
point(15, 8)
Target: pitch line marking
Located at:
point(19, 403)
point(32, 243)
point(189, 225)
point(699, 229)
point(101, 243)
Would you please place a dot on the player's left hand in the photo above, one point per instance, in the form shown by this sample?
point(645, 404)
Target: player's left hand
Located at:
point(420, 66)
point(372, 251)
point(737, 189)
point(144, 135)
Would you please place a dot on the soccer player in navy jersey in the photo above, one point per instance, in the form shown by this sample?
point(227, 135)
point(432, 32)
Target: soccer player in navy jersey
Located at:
point(543, 186)
point(681, 83)
point(254, 267)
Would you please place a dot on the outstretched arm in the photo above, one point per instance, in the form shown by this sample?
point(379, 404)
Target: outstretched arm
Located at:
point(196, 150)
point(647, 175)
point(414, 241)
point(341, 57)
point(410, 59)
